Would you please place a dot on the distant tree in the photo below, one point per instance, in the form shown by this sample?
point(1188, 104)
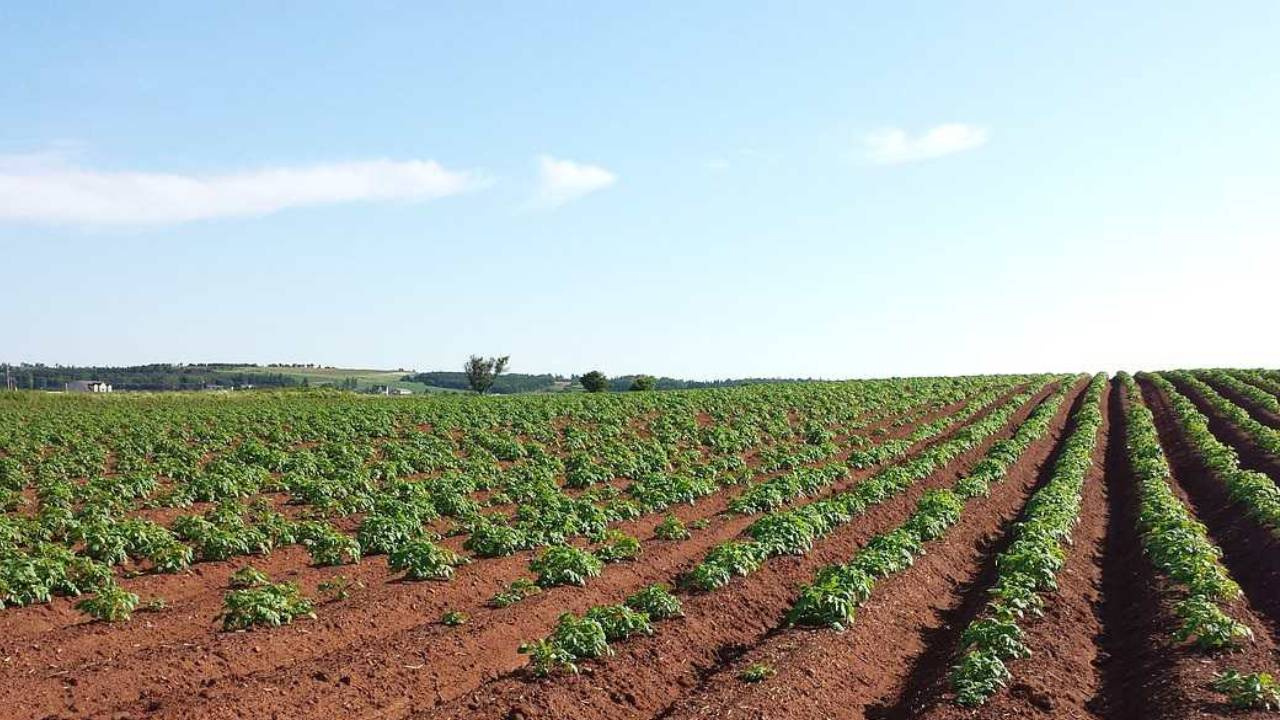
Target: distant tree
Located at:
point(594, 381)
point(481, 372)
point(643, 382)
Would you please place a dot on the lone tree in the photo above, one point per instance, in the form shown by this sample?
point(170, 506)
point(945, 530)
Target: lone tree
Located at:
point(643, 382)
point(594, 381)
point(481, 372)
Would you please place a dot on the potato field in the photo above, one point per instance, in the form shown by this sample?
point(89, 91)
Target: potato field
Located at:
point(1056, 546)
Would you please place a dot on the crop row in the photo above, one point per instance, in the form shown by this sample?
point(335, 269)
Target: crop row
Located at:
point(1177, 544)
point(837, 591)
point(1266, 438)
point(793, 532)
point(1031, 563)
point(1256, 493)
point(777, 491)
point(782, 532)
point(562, 564)
point(1180, 549)
point(1230, 381)
point(70, 543)
point(1260, 379)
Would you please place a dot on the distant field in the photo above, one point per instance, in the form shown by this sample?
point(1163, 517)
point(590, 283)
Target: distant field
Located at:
point(365, 378)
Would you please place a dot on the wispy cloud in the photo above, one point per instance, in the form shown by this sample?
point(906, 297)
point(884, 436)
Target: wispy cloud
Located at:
point(893, 146)
point(563, 181)
point(42, 188)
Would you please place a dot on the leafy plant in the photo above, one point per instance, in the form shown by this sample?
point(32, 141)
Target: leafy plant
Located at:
point(110, 604)
point(671, 528)
point(620, 621)
point(269, 605)
point(329, 546)
point(546, 657)
point(247, 577)
point(339, 587)
point(422, 559)
point(581, 637)
point(1252, 691)
point(757, 672)
point(657, 602)
point(978, 676)
point(518, 590)
point(454, 617)
point(565, 565)
point(1207, 625)
point(617, 546)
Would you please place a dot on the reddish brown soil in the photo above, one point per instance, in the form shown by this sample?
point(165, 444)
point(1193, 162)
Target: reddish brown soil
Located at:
point(1249, 551)
point(1101, 651)
point(385, 636)
point(1259, 413)
point(649, 675)
point(893, 632)
point(1059, 680)
point(1146, 674)
point(1251, 456)
point(290, 563)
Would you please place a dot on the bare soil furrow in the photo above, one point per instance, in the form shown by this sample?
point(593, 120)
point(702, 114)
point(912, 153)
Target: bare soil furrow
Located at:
point(902, 639)
point(1251, 456)
point(198, 593)
point(1249, 550)
point(405, 618)
point(648, 675)
point(1060, 679)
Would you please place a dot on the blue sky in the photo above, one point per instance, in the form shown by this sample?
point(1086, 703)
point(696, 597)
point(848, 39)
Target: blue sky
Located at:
point(692, 189)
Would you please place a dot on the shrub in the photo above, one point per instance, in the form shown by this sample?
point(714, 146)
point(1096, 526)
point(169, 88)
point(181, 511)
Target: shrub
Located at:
point(594, 381)
point(642, 383)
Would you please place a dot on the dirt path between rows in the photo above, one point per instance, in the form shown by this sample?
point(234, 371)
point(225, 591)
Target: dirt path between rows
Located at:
point(1251, 456)
point(386, 636)
point(1152, 675)
point(650, 675)
point(899, 644)
point(1059, 680)
point(1249, 551)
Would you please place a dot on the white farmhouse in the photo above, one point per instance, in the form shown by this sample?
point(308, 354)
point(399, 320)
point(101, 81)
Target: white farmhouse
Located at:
point(90, 386)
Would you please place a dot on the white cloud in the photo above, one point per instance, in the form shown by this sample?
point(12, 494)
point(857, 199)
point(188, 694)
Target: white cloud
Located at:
point(893, 146)
point(563, 181)
point(44, 188)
